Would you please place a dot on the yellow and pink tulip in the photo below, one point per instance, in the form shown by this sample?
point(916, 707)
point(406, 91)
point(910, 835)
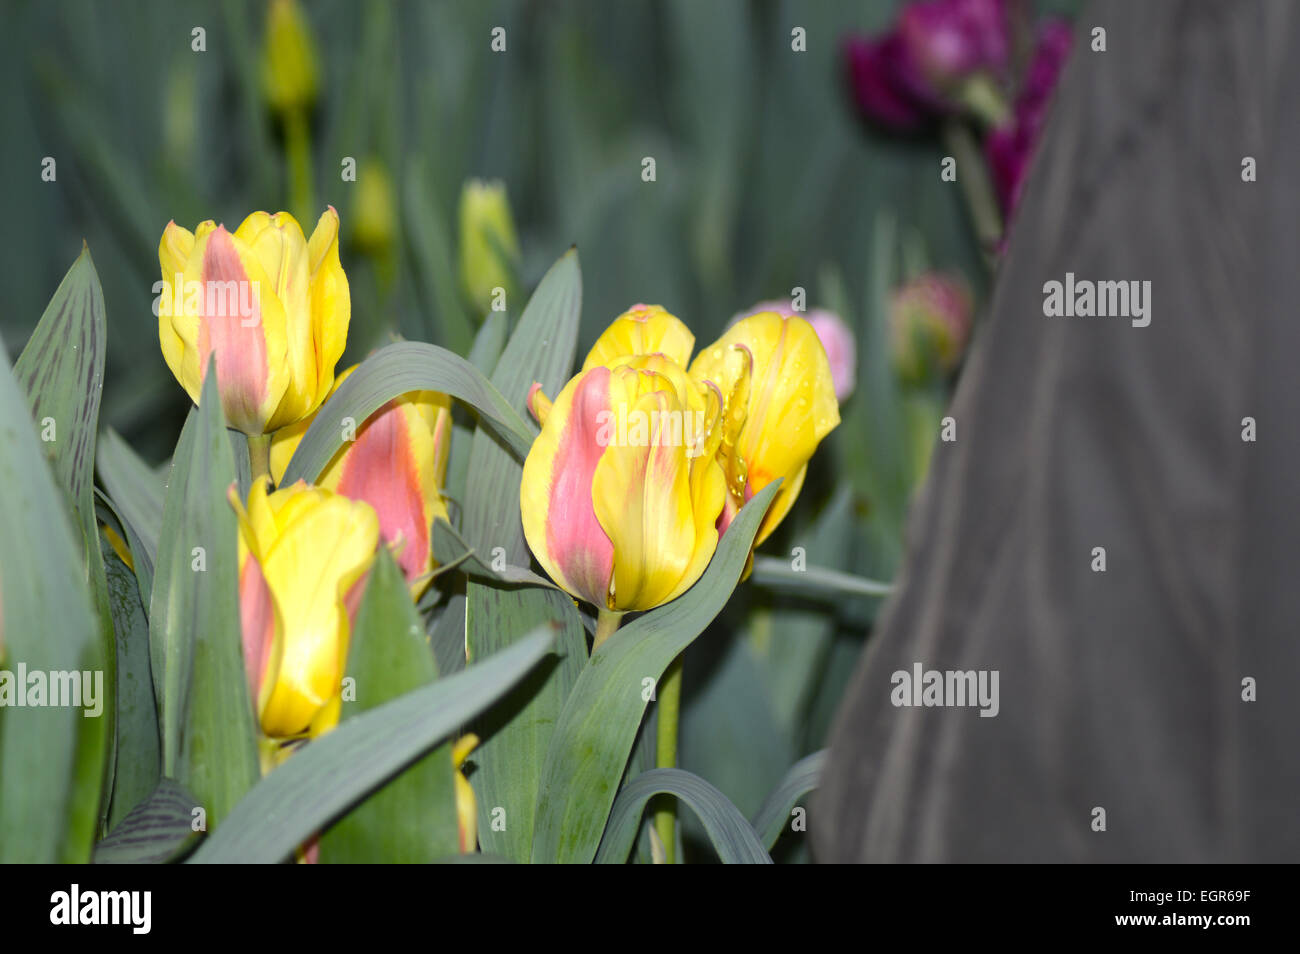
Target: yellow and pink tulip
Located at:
point(271, 307)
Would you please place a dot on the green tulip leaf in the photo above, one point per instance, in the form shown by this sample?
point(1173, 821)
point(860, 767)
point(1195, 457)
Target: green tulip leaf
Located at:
point(51, 756)
point(137, 493)
point(195, 634)
point(390, 372)
point(155, 831)
point(412, 819)
point(804, 776)
point(729, 832)
point(315, 785)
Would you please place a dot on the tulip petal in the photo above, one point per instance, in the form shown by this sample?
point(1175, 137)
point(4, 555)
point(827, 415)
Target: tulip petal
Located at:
point(642, 329)
point(560, 523)
point(331, 302)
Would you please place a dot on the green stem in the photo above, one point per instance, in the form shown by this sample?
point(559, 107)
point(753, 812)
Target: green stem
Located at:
point(606, 622)
point(976, 185)
point(669, 698)
point(259, 456)
point(297, 136)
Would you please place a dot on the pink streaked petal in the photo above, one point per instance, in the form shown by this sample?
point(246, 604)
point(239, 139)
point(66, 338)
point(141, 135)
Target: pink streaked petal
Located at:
point(574, 537)
point(380, 469)
point(257, 619)
point(237, 339)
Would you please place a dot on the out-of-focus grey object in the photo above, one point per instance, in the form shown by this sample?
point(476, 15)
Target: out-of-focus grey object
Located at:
point(1119, 690)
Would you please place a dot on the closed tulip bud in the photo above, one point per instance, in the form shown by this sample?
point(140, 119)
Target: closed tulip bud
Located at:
point(271, 306)
point(489, 249)
point(930, 320)
point(622, 490)
point(397, 464)
point(374, 214)
point(779, 402)
point(289, 70)
point(303, 555)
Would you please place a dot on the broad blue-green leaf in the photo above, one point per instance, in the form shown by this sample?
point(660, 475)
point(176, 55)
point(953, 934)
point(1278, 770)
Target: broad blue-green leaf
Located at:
point(412, 819)
point(804, 776)
point(208, 734)
point(598, 725)
point(137, 493)
point(316, 784)
point(388, 373)
point(541, 349)
point(62, 373)
point(485, 354)
point(51, 757)
point(158, 829)
point(729, 831)
point(815, 581)
point(516, 732)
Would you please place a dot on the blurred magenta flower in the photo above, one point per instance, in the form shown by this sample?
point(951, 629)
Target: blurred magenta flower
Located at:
point(836, 338)
point(930, 319)
point(1010, 146)
point(940, 57)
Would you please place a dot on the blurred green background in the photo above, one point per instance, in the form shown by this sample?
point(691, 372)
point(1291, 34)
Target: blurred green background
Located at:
point(765, 180)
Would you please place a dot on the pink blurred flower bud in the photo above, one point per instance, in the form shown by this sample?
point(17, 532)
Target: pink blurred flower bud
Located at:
point(930, 319)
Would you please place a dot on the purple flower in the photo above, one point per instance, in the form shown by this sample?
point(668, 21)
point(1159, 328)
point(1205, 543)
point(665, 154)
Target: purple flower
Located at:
point(906, 77)
point(1010, 146)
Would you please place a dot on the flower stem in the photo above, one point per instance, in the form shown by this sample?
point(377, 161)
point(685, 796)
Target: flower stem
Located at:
point(297, 142)
point(977, 187)
point(669, 701)
point(259, 456)
point(606, 622)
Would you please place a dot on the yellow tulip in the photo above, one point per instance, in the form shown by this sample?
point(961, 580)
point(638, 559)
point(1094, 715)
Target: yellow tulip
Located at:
point(271, 306)
point(304, 553)
point(397, 463)
point(289, 71)
point(622, 490)
point(489, 248)
point(642, 329)
point(779, 404)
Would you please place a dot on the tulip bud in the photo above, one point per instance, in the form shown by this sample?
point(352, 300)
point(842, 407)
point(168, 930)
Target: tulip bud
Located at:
point(374, 210)
point(930, 320)
point(779, 402)
point(289, 71)
point(398, 464)
point(622, 490)
point(489, 250)
point(304, 553)
point(271, 306)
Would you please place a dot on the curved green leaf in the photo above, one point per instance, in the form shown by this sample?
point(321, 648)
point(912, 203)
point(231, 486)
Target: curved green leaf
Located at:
point(597, 728)
point(815, 580)
point(730, 833)
point(155, 831)
point(195, 633)
point(393, 371)
point(51, 757)
point(316, 784)
point(804, 776)
point(137, 494)
point(450, 549)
